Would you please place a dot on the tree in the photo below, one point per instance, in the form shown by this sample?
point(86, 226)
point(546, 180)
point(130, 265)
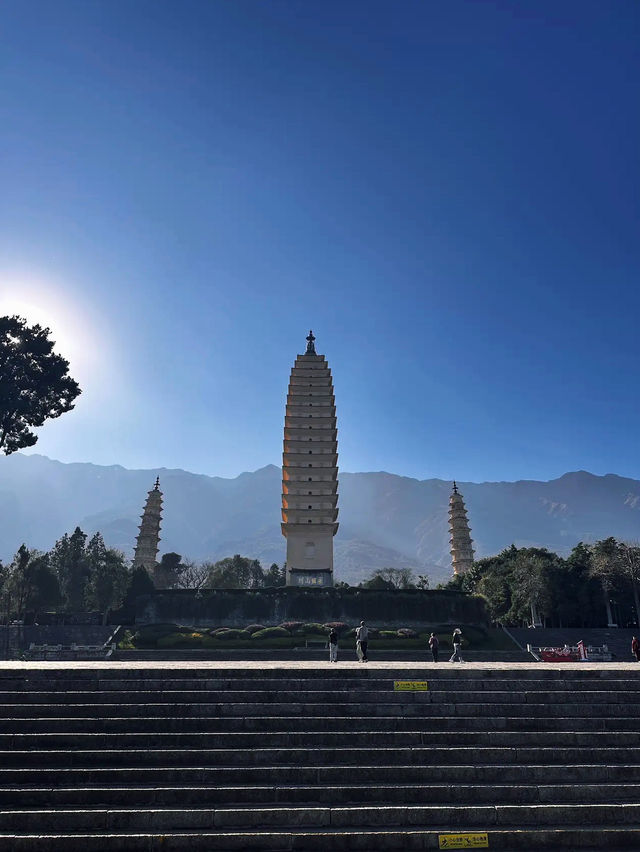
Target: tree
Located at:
point(71, 564)
point(629, 553)
point(390, 578)
point(30, 583)
point(140, 583)
point(166, 573)
point(236, 572)
point(194, 575)
point(531, 599)
point(606, 566)
point(107, 576)
point(34, 382)
point(275, 575)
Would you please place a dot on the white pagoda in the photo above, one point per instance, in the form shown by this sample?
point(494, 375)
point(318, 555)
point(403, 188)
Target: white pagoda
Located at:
point(148, 541)
point(462, 555)
point(310, 471)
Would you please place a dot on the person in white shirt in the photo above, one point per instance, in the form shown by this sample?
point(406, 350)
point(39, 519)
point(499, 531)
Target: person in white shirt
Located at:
point(362, 641)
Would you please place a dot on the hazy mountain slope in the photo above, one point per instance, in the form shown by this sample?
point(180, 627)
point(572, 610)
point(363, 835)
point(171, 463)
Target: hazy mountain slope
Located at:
point(385, 520)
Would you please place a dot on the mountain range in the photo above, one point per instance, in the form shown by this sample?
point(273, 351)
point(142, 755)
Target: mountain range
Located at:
point(385, 520)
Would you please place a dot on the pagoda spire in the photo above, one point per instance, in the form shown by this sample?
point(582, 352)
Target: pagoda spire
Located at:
point(462, 555)
point(311, 344)
point(148, 540)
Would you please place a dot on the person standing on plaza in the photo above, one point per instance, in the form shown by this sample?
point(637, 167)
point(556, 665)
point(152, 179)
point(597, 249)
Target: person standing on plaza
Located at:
point(362, 642)
point(333, 645)
point(635, 648)
point(457, 642)
point(434, 645)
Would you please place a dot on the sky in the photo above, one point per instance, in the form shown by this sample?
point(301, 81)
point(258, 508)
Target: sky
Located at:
point(447, 193)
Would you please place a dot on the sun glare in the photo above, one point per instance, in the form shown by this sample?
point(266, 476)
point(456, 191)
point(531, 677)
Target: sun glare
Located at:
point(50, 306)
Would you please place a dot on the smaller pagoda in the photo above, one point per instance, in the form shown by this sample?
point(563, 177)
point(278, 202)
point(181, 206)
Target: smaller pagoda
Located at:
point(148, 541)
point(462, 555)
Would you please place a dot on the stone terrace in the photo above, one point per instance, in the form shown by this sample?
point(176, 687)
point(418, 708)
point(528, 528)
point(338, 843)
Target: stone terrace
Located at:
point(308, 755)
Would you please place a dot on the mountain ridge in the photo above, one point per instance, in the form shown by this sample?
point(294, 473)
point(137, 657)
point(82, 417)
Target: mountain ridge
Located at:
point(386, 520)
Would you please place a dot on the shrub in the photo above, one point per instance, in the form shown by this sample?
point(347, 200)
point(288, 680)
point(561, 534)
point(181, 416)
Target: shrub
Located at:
point(388, 634)
point(184, 640)
point(126, 642)
point(253, 628)
point(293, 626)
point(407, 633)
point(270, 633)
point(313, 627)
point(233, 633)
point(338, 626)
point(151, 632)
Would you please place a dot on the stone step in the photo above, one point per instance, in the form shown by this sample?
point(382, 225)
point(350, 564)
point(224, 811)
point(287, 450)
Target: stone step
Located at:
point(139, 671)
point(290, 684)
point(288, 775)
point(610, 838)
point(348, 757)
point(336, 696)
point(398, 707)
point(607, 839)
point(311, 740)
point(185, 796)
point(291, 816)
point(215, 724)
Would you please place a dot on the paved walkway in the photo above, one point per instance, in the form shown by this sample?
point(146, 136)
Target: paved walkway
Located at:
point(295, 665)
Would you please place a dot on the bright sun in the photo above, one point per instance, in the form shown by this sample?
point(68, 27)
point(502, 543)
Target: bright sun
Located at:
point(48, 306)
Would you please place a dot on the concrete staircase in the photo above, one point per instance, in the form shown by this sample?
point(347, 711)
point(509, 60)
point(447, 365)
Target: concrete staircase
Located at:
point(311, 756)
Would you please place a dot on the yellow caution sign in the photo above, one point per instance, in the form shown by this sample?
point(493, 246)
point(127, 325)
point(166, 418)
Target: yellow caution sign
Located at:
point(410, 686)
point(463, 841)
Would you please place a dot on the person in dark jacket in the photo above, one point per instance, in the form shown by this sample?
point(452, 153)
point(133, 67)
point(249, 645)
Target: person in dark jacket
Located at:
point(457, 642)
point(434, 645)
point(635, 648)
point(333, 646)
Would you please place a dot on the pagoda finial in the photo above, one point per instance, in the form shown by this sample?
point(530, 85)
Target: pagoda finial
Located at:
point(156, 487)
point(455, 487)
point(311, 349)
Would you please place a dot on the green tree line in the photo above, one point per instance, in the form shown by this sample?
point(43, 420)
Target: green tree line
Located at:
point(596, 584)
point(81, 573)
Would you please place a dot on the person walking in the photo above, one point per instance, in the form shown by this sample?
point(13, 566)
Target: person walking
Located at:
point(434, 645)
point(362, 642)
point(333, 646)
point(457, 642)
point(635, 648)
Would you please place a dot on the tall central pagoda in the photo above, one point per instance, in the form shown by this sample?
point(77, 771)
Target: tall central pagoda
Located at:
point(310, 471)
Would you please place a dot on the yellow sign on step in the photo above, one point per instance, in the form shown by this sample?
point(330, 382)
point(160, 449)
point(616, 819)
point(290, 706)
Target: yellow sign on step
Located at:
point(410, 686)
point(463, 841)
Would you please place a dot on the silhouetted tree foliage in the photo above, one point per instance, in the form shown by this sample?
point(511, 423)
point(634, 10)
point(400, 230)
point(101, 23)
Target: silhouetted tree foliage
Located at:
point(275, 575)
point(167, 572)
point(30, 585)
point(390, 578)
point(108, 576)
point(595, 584)
point(140, 583)
point(70, 562)
point(236, 572)
point(34, 382)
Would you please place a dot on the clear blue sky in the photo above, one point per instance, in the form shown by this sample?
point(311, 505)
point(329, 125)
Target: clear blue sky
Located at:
point(448, 193)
